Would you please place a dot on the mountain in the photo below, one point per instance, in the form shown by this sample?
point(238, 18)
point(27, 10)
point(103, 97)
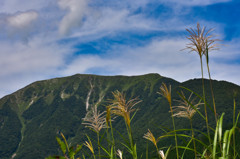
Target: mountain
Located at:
point(32, 117)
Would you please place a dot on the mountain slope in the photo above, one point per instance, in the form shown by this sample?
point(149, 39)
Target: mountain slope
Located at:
point(32, 117)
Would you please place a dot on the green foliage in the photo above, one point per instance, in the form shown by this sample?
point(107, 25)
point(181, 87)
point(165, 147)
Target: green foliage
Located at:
point(68, 152)
point(10, 132)
point(222, 143)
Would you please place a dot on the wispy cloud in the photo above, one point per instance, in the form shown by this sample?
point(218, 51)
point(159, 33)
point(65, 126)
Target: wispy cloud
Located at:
point(24, 24)
point(18, 24)
point(13, 6)
point(76, 9)
point(22, 20)
point(161, 56)
point(24, 63)
point(195, 2)
point(110, 22)
point(157, 56)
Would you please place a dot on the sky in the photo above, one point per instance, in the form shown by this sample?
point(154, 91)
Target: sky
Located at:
point(44, 39)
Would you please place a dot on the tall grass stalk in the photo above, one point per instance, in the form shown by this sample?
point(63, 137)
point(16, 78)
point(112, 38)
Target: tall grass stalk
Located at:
point(99, 150)
point(204, 100)
point(89, 145)
point(213, 98)
point(234, 115)
point(201, 42)
point(194, 144)
point(121, 107)
point(147, 151)
point(149, 136)
point(166, 92)
point(96, 121)
point(187, 109)
point(109, 123)
point(210, 46)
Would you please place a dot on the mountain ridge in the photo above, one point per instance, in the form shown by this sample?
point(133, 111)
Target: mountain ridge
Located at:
point(42, 109)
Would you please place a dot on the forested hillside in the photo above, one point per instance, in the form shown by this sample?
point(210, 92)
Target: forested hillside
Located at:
point(32, 117)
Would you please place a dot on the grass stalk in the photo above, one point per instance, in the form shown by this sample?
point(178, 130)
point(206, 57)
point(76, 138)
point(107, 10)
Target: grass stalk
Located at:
point(147, 151)
point(99, 152)
point(204, 100)
point(109, 123)
point(211, 87)
point(109, 139)
point(113, 140)
point(174, 128)
point(158, 151)
point(194, 144)
point(129, 130)
point(166, 92)
point(234, 139)
point(149, 136)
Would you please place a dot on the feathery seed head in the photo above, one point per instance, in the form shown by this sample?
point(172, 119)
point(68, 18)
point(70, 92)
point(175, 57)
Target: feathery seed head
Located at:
point(149, 136)
point(162, 154)
point(201, 41)
point(95, 120)
point(89, 146)
point(185, 110)
point(121, 107)
point(119, 153)
point(166, 92)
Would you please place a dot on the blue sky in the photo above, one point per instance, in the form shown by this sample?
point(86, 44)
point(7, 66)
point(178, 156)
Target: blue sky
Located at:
point(42, 39)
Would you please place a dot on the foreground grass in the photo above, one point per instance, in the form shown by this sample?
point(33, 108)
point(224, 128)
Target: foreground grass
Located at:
point(212, 143)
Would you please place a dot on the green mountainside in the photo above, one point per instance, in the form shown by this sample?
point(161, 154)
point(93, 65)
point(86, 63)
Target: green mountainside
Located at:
point(32, 117)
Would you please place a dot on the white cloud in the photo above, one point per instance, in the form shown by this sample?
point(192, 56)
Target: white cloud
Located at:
point(76, 9)
point(24, 63)
point(108, 22)
point(132, 5)
point(159, 56)
point(195, 2)
point(41, 59)
point(226, 72)
point(112, 21)
point(13, 6)
point(85, 62)
point(19, 26)
point(225, 63)
point(228, 51)
point(22, 20)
